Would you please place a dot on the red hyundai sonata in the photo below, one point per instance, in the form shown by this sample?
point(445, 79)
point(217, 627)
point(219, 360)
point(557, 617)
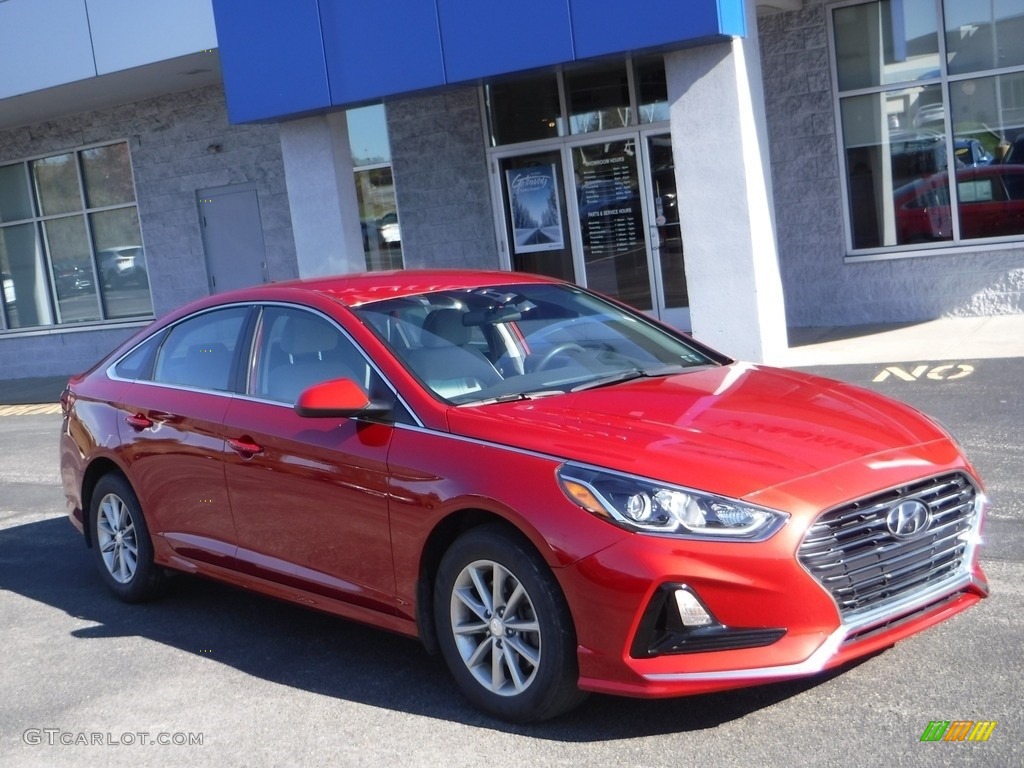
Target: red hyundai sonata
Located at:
point(555, 492)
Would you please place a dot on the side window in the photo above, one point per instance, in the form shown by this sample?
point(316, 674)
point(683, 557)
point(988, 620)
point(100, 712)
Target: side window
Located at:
point(296, 349)
point(199, 351)
point(138, 364)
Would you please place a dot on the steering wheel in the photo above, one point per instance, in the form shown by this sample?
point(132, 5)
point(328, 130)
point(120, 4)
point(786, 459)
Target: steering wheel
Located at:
point(555, 351)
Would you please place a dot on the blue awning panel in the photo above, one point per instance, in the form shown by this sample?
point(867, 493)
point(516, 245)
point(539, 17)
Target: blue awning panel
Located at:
point(380, 48)
point(271, 58)
point(282, 58)
point(482, 39)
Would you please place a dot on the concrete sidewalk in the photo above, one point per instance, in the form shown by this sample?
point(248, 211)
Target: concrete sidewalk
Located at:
point(945, 339)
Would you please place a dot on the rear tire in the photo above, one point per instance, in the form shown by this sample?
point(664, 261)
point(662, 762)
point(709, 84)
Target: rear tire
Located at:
point(121, 541)
point(504, 628)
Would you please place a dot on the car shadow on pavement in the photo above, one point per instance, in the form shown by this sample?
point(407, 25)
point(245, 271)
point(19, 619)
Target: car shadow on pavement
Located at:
point(315, 652)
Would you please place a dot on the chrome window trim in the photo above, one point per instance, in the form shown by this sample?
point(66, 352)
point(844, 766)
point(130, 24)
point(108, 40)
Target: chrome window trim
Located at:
point(258, 306)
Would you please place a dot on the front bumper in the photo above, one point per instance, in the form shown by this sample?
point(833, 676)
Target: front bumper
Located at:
point(773, 619)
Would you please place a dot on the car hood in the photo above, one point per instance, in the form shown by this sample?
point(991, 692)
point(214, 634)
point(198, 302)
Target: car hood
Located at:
point(734, 430)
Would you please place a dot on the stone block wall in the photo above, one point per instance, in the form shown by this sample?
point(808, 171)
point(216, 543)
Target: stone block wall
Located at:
point(441, 182)
point(179, 143)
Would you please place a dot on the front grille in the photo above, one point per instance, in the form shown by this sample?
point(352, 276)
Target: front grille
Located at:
point(852, 553)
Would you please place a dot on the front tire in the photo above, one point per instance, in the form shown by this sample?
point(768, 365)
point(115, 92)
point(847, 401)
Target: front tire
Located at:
point(121, 541)
point(504, 628)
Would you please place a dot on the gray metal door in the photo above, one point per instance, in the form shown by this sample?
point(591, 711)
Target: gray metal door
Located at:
point(232, 237)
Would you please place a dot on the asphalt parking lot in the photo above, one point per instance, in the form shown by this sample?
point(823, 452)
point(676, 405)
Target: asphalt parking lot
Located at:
point(88, 680)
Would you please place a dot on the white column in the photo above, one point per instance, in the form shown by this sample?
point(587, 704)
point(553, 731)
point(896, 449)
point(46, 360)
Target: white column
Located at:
point(720, 146)
point(322, 195)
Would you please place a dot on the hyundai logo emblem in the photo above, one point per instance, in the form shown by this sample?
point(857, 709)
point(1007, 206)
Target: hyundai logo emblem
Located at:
point(908, 519)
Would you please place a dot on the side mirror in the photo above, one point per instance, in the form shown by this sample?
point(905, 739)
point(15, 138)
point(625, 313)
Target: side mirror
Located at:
point(337, 398)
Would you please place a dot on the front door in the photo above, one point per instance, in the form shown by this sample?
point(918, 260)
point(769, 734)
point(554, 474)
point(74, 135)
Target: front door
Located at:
point(602, 213)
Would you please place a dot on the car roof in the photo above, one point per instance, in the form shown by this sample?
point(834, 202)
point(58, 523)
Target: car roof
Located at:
point(362, 288)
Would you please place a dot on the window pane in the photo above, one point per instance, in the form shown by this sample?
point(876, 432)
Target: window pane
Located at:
point(199, 352)
point(122, 264)
point(598, 98)
point(25, 287)
point(611, 221)
point(68, 246)
point(524, 110)
point(108, 176)
point(378, 217)
point(138, 364)
point(898, 192)
point(298, 349)
point(15, 202)
point(984, 35)
point(991, 200)
point(987, 118)
point(56, 183)
point(368, 135)
point(652, 89)
point(886, 42)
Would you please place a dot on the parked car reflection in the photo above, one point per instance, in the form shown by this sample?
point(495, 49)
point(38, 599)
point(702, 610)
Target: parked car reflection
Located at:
point(123, 265)
point(991, 204)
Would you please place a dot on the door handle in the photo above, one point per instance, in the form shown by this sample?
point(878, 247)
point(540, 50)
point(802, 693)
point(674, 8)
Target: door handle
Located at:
point(138, 422)
point(245, 447)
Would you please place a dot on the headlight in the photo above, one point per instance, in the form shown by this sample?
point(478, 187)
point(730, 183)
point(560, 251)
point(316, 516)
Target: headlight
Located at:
point(652, 507)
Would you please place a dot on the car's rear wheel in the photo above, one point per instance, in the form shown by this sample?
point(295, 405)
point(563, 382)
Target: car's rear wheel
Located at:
point(504, 628)
point(121, 541)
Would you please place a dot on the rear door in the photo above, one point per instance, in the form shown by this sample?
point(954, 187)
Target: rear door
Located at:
point(170, 429)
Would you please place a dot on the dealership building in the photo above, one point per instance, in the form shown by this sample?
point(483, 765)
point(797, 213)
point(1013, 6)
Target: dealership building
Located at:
point(731, 167)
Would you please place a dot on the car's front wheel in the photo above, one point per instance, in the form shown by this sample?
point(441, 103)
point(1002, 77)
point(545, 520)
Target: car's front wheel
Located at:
point(504, 628)
point(121, 542)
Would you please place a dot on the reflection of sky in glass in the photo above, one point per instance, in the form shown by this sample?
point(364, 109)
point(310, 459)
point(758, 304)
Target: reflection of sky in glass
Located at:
point(962, 13)
point(368, 135)
point(919, 17)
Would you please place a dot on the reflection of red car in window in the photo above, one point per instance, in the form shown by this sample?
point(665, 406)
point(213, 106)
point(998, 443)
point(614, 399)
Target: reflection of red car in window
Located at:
point(991, 204)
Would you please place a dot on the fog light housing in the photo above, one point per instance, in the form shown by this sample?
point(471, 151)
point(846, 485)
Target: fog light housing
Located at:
point(691, 611)
point(676, 621)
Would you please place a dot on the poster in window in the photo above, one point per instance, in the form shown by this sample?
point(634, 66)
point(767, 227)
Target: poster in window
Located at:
point(536, 211)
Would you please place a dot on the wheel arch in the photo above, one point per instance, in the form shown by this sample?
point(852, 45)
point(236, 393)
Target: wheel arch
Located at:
point(97, 469)
point(443, 535)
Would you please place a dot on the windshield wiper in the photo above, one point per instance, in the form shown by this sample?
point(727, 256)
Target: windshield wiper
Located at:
point(511, 397)
point(629, 375)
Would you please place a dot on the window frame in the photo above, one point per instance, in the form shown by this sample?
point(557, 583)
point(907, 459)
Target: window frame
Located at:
point(944, 80)
point(37, 222)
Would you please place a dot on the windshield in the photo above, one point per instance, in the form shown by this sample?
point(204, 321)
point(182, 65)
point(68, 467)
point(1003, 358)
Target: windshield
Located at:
point(518, 341)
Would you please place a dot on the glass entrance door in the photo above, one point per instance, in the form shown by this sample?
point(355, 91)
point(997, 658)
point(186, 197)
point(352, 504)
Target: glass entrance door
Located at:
point(534, 212)
point(665, 234)
point(611, 221)
point(601, 213)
